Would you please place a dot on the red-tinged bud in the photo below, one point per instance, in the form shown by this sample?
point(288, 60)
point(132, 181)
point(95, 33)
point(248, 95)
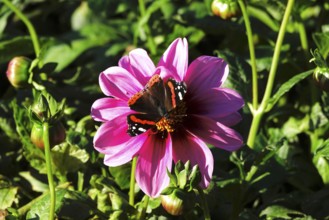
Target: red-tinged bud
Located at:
point(178, 202)
point(321, 78)
point(18, 72)
point(57, 134)
point(226, 9)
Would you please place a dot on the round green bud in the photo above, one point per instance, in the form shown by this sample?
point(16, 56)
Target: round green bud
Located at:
point(18, 72)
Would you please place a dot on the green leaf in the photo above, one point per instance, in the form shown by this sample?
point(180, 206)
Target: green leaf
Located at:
point(318, 118)
point(277, 211)
point(36, 184)
point(285, 87)
point(40, 210)
point(322, 165)
point(323, 149)
point(4, 14)
point(322, 42)
point(17, 46)
point(121, 175)
point(295, 126)
point(7, 196)
point(68, 158)
point(65, 52)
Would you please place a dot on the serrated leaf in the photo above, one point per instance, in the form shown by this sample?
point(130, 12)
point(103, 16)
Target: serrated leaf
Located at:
point(285, 87)
point(40, 209)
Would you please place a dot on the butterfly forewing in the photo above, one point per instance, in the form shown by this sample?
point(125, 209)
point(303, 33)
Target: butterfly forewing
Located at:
point(175, 92)
point(151, 99)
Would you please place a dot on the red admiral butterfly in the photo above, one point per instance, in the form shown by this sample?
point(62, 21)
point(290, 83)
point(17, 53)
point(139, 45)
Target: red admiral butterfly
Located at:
point(159, 105)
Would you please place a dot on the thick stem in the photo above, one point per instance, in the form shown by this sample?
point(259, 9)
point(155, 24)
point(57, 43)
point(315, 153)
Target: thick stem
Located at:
point(28, 24)
point(254, 127)
point(132, 182)
point(268, 91)
point(49, 170)
point(204, 202)
point(252, 55)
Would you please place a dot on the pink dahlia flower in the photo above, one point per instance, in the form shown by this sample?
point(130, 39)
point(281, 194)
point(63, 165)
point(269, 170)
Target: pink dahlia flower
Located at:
point(165, 113)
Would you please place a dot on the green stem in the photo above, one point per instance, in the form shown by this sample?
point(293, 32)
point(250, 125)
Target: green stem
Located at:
point(204, 204)
point(49, 170)
point(80, 181)
point(252, 54)
point(150, 40)
point(28, 24)
point(145, 204)
point(251, 173)
point(303, 36)
point(132, 182)
point(258, 114)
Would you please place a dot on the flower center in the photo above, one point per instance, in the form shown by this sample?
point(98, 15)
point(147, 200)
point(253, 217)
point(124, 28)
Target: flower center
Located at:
point(160, 107)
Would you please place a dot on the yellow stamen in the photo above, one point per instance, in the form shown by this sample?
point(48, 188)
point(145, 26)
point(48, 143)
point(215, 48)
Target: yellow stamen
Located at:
point(165, 124)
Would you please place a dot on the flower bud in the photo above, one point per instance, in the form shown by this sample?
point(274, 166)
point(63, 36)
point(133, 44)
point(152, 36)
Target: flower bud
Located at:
point(18, 71)
point(57, 134)
point(321, 78)
point(178, 202)
point(82, 16)
point(40, 107)
point(225, 9)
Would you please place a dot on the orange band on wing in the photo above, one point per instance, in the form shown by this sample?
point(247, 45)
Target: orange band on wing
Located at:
point(141, 121)
point(173, 95)
point(134, 98)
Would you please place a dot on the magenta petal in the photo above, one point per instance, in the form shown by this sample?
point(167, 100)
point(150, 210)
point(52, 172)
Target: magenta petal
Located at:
point(139, 64)
point(124, 153)
point(154, 159)
point(214, 133)
point(106, 109)
point(119, 83)
point(175, 58)
point(112, 140)
point(219, 102)
point(188, 147)
point(206, 72)
point(231, 119)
